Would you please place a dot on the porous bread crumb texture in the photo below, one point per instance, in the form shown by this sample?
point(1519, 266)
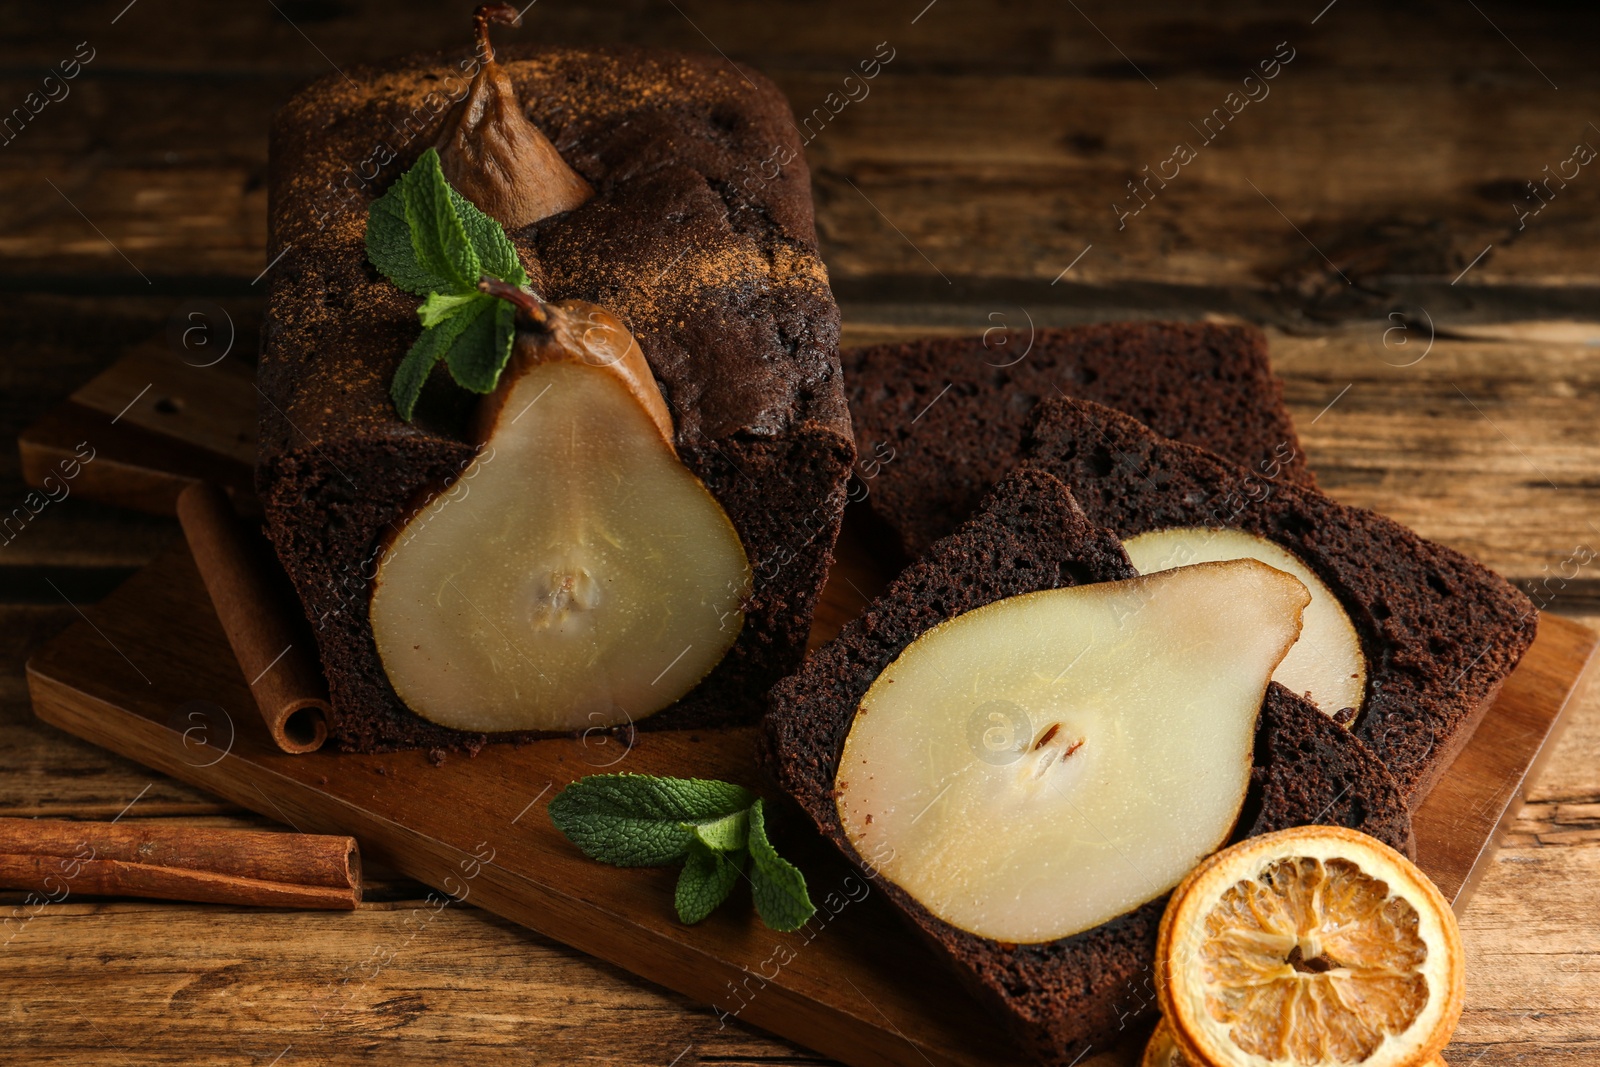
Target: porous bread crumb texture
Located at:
point(1306, 762)
point(1059, 996)
point(705, 251)
point(1440, 632)
point(1205, 383)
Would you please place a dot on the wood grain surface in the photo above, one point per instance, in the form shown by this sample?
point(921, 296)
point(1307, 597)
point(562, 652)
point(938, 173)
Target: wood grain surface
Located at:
point(1397, 141)
point(476, 830)
point(127, 678)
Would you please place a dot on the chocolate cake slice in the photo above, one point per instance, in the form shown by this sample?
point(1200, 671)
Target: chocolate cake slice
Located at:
point(1059, 996)
point(1439, 632)
point(700, 236)
point(941, 420)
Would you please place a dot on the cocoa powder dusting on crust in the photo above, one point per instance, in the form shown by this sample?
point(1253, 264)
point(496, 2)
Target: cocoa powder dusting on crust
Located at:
point(706, 252)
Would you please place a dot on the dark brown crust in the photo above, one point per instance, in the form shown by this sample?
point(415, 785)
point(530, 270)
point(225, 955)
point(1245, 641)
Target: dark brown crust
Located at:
point(707, 253)
point(1030, 535)
point(1204, 383)
point(1440, 633)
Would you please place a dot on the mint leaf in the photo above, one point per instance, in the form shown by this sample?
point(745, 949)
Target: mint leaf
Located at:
point(483, 346)
point(497, 257)
point(776, 884)
point(438, 235)
point(430, 348)
point(646, 796)
point(441, 306)
point(726, 834)
point(624, 840)
point(427, 238)
point(635, 820)
point(714, 828)
point(707, 879)
point(389, 245)
point(430, 240)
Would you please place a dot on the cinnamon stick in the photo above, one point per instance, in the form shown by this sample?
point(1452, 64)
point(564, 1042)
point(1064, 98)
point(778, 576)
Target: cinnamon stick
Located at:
point(61, 859)
point(264, 624)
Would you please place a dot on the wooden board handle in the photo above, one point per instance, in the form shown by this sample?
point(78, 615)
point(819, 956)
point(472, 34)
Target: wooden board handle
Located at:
point(263, 624)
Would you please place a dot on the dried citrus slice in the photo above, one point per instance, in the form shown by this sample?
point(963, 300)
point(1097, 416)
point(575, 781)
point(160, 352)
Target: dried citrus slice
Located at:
point(1161, 1050)
point(1311, 946)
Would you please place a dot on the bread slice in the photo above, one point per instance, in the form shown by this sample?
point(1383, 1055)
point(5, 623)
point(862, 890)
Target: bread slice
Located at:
point(1306, 762)
point(1062, 995)
point(939, 421)
point(1439, 631)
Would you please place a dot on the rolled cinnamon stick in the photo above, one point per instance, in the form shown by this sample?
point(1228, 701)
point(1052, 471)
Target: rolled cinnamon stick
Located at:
point(61, 859)
point(264, 625)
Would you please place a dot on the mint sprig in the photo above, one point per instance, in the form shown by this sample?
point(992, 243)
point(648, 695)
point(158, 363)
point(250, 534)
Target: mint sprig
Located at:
point(430, 240)
point(776, 884)
point(717, 830)
point(708, 876)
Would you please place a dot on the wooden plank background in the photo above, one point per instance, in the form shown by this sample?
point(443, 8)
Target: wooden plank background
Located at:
point(1439, 359)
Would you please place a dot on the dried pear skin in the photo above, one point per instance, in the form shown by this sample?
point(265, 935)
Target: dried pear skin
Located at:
point(493, 155)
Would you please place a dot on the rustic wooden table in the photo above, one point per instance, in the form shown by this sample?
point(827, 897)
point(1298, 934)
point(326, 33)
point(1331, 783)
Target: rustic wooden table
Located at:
point(1434, 315)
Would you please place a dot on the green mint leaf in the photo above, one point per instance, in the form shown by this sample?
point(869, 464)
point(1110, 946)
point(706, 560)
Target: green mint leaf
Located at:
point(635, 820)
point(648, 797)
point(437, 233)
point(430, 240)
point(705, 882)
point(440, 306)
point(389, 245)
point(481, 349)
point(776, 884)
point(623, 840)
point(428, 349)
point(427, 238)
point(496, 255)
point(726, 834)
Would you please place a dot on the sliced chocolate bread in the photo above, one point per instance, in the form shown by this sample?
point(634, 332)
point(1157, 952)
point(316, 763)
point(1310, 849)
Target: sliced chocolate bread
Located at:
point(1059, 996)
point(700, 236)
point(940, 420)
point(1439, 632)
point(1306, 762)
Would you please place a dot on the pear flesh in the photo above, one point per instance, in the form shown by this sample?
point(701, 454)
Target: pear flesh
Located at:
point(1326, 666)
point(1045, 763)
point(576, 575)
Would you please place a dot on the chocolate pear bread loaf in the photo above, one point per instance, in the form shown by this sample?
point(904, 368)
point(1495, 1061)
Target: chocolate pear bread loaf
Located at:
point(941, 420)
point(1439, 632)
point(699, 236)
point(1057, 996)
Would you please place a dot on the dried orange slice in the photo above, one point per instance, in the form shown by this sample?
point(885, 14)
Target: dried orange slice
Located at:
point(1162, 1050)
point(1311, 946)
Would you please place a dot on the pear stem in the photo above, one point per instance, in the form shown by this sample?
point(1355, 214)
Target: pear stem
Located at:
point(529, 307)
point(482, 16)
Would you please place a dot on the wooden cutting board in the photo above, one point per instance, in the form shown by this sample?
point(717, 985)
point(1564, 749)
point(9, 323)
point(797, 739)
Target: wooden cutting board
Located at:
point(148, 673)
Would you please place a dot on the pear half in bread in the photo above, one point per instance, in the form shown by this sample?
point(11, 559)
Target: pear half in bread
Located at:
point(1439, 632)
point(1039, 765)
point(1055, 996)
